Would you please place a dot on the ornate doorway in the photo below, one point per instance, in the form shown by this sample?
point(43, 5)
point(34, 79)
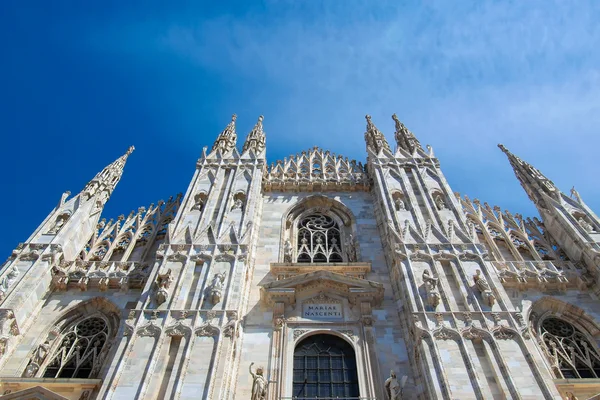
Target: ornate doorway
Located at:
point(325, 367)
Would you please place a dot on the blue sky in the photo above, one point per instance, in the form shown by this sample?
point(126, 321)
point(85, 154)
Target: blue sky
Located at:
point(82, 81)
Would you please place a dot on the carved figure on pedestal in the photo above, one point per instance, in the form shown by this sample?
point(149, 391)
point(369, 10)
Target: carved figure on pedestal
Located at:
point(237, 204)
point(433, 296)
point(484, 287)
point(392, 387)
point(37, 358)
point(400, 206)
point(259, 384)
point(58, 224)
point(163, 281)
point(216, 288)
point(586, 225)
point(439, 202)
point(230, 328)
point(7, 280)
point(287, 251)
point(199, 201)
point(350, 248)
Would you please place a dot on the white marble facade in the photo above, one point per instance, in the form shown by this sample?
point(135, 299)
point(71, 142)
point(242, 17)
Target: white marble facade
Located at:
point(312, 276)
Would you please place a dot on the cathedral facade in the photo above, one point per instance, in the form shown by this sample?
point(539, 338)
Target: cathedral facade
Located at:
point(311, 277)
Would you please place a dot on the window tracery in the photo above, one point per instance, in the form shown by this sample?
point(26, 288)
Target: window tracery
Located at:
point(569, 351)
point(318, 240)
point(81, 350)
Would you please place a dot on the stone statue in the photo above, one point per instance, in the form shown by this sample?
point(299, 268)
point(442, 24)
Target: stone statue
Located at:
point(58, 224)
point(259, 384)
point(287, 251)
point(585, 225)
point(480, 281)
point(439, 202)
point(216, 287)
point(37, 358)
point(433, 296)
point(350, 247)
point(198, 202)
point(238, 204)
point(400, 206)
point(484, 287)
point(230, 328)
point(392, 387)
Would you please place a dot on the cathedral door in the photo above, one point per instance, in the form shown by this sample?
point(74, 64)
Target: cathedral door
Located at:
point(325, 367)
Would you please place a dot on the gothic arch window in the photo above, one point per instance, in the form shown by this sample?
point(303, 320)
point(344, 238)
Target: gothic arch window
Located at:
point(570, 352)
point(318, 239)
point(324, 367)
point(81, 350)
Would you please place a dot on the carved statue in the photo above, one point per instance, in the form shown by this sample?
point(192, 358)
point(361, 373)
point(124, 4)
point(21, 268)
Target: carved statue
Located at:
point(216, 287)
point(480, 281)
point(259, 384)
point(350, 247)
point(163, 281)
point(433, 296)
point(392, 387)
point(484, 287)
point(238, 204)
point(439, 202)
point(400, 206)
point(37, 358)
point(58, 224)
point(198, 202)
point(230, 328)
point(7, 280)
point(287, 251)
point(585, 225)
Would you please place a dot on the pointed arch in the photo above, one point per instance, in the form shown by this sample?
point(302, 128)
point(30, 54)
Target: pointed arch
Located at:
point(78, 343)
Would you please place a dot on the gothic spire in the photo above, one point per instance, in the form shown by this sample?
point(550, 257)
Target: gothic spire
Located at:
point(374, 138)
point(405, 138)
point(107, 179)
point(256, 138)
point(536, 185)
point(227, 139)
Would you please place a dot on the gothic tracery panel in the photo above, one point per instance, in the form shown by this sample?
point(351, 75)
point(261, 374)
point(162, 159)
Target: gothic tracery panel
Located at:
point(318, 240)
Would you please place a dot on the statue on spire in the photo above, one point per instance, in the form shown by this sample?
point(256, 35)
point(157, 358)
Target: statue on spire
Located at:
point(374, 138)
point(227, 139)
point(256, 138)
point(405, 138)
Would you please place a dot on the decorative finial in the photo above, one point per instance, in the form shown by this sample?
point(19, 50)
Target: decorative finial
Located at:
point(130, 150)
point(233, 117)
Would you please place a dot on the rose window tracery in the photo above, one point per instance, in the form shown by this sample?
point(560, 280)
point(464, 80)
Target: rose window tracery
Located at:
point(79, 352)
point(571, 354)
point(319, 240)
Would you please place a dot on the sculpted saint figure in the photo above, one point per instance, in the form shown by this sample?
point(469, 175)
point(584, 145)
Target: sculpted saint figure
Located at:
point(259, 384)
point(287, 251)
point(480, 281)
point(392, 387)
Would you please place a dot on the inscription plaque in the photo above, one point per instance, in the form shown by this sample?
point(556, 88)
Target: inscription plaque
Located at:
point(322, 311)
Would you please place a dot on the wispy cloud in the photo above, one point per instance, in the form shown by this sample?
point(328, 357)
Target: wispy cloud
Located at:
point(462, 76)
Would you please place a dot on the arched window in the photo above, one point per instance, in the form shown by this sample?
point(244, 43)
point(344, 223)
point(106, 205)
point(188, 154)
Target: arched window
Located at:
point(569, 351)
point(81, 350)
point(324, 367)
point(318, 240)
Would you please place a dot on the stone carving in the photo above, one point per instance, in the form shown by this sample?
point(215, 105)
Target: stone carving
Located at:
point(433, 295)
point(439, 202)
point(256, 138)
point(230, 328)
point(350, 249)
point(238, 204)
point(7, 280)
point(484, 287)
point(7, 320)
point(287, 251)
point(227, 139)
point(392, 387)
point(259, 383)
point(216, 287)
point(586, 225)
point(37, 358)
point(298, 333)
point(199, 200)
point(163, 281)
point(400, 206)
point(58, 223)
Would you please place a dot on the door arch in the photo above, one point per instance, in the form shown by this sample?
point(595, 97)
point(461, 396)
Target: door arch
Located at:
point(325, 366)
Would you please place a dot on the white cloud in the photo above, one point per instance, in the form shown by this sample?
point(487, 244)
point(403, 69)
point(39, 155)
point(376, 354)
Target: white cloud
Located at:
point(462, 76)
